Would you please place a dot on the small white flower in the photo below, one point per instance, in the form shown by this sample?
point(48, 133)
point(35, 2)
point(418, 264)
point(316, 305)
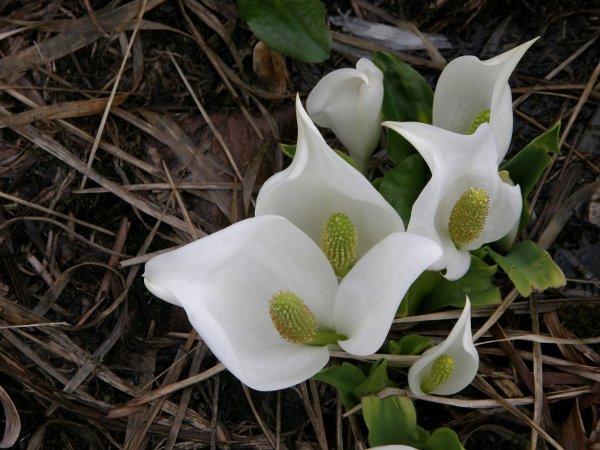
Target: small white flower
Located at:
point(466, 203)
point(448, 367)
point(349, 102)
point(266, 301)
point(469, 87)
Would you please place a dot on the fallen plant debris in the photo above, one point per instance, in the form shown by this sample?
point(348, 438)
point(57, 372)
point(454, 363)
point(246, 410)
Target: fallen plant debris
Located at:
point(131, 127)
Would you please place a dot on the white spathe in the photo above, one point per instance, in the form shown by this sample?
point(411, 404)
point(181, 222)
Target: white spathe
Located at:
point(349, 102)
point(458, 162)
point(468, 86)
point(459, 345)
point(319, 183)
point(226, 280)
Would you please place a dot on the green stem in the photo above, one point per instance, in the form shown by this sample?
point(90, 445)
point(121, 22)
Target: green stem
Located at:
point(326, 337)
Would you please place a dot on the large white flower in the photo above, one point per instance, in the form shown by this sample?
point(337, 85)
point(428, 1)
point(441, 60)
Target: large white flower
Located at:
point(266, 301)
point(349, 102)
point(448, 367)
point(468, 88)
point(466, 203)
point(319, 184)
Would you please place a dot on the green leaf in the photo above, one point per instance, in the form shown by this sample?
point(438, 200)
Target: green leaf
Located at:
point(530, 267)
point(345, 378)
point(421, 287)
point(295, 28)
point(527, 166)
point(413, 344)
point(402, 185)
point(376, 381)
point(407, 97)
point(476, 283)
point(392, 420)
point(443, 439)
point(288, 150)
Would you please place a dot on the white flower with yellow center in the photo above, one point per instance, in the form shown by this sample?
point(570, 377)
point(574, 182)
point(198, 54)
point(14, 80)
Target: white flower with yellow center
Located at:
point(470, 92)
point(319, 189)
point(448, 367)
point(266, 301)
point(466, 203)
point(349, 102)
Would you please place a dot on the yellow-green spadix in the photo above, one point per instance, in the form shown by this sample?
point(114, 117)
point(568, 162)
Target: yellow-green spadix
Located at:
point(266, 301)
point(450, 366)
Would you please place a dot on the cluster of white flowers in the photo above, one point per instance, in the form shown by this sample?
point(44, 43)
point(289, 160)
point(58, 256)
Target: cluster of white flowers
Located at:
point(326, 260)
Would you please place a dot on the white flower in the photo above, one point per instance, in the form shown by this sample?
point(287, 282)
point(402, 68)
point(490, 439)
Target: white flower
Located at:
point(468, 87)
point(448, 367)
point(267, 302)
point(466, 203)
point(349, 102)
point(318, 184)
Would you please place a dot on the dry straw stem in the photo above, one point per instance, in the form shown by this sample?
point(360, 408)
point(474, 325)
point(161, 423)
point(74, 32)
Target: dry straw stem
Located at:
point(12, 424)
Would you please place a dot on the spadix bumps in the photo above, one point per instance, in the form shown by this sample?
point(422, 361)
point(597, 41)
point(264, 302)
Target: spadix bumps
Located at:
point(441, 371)
point(468, 216)
point(292, 319)
point(340, 243)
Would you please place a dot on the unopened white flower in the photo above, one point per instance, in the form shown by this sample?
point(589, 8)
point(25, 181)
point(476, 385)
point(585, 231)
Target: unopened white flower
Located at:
point(470, 91)
point(266, 301)
point(319, 188)
point(466, 203)
point(448, 367)
point(349, 102)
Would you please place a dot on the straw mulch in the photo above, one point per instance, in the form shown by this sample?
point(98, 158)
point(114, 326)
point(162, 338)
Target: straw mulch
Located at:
point(130, 127)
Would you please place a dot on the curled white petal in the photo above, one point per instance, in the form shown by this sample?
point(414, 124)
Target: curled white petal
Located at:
point(225, 282)
point(459, 345)
point(319, 183)
point(458, 162)
point(370, 294)
point(349, 102)
point(468, 86)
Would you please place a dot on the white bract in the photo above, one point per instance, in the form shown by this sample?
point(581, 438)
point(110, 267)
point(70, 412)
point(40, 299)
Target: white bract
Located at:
point(466, 203)
point(266, 301)
point(349, 102)
point(448, 367)
point(468, 88)
point(318, 184)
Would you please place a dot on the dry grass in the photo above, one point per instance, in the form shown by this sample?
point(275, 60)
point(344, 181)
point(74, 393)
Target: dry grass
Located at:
point(130, 128)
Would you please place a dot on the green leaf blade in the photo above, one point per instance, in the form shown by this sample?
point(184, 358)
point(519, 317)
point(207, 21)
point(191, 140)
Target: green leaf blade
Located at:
point(530, 267)
point(402, 185)
point(295, 28)
point(392, 420)
point(407, 97)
